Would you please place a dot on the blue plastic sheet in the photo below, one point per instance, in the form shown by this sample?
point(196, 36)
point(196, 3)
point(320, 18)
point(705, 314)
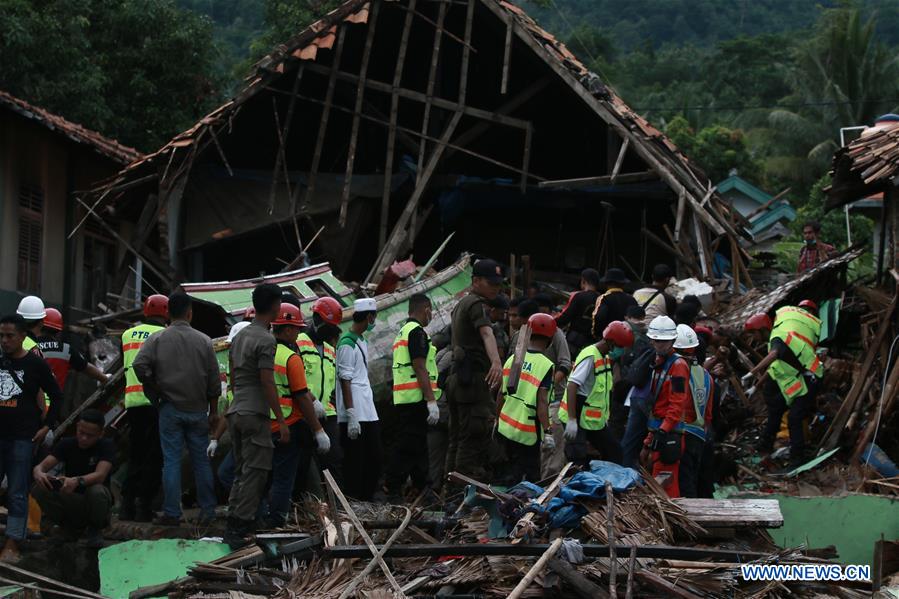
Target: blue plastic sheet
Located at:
point(564, 513)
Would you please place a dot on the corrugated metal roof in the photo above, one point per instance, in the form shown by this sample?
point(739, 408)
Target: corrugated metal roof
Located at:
point(75, 132)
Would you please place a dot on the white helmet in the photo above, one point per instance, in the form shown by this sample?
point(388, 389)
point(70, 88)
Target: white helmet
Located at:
point(686, 337)
point(31, 308)
point(662, 328)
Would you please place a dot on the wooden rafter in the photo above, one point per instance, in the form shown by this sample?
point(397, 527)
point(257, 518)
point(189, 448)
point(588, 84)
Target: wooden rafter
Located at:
point(360, 93)
point(432, 72)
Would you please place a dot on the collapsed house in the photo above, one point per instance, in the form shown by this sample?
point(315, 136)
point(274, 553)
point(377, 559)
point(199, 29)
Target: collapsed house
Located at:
point(384, 127)
point(44, 161)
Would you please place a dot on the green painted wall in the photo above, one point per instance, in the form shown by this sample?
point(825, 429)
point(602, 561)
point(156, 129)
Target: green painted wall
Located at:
point(852, 523)
point(134, 564)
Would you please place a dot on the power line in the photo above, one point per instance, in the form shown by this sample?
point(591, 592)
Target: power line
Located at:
point(752, 107)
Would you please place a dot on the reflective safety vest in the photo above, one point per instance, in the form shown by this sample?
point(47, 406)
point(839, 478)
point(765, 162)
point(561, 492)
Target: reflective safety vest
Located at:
point(518, 418)
point(282, 383)
point(132, 340)
point(800, 331)
point(595, 413)
point(321, 370)
point(29, 344)
point(406, 389)
point(701, 389)
point(57, 355)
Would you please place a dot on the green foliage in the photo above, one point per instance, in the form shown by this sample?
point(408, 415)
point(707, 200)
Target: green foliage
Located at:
point(833, 223)
point(136, 70)
point(285, 19)
point(716, 149)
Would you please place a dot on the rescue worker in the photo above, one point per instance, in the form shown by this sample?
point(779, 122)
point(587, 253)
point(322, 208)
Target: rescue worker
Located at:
point(793, 369)
point(360, 427)
point(475, 376)
point(613, 304)
point(31, 308)
point(577, 313)
point(144, 475)
point(299, 415)
point(61, 356)
point(415, 395)
point(670, 402)
point(521, 411)
point(696, 431)
point(585, 419)
point(653, 299)
point(316, 347)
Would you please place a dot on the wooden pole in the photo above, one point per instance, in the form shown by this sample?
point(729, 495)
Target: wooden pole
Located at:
point(620, 160)
point(507, 58)
point(432, 73)
point(610, 528)
point(355, 520)
point(391, 131)
point(631, 566)
point(513, 274)
point(536, 569)
point(350, 588)
point(526, 265)
point(283, 130)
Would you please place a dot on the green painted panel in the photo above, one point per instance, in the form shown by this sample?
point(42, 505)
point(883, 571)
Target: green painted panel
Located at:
point(134, 564)
point(851, 523)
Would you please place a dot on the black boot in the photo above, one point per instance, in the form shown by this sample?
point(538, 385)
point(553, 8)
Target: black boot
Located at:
point(236, 532)
point(142, 511)
point(127, 511)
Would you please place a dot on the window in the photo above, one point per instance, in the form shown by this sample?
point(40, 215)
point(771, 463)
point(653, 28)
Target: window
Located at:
point(31, 230)
point(98, 266)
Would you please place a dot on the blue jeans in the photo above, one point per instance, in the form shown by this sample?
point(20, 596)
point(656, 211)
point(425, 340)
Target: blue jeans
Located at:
point(634, 435)
point(175, 429)
point(285, 463)
point(15, 464)
point(226, 471)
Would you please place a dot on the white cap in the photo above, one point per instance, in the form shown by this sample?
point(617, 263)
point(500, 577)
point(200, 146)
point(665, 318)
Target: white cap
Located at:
point(686, 337)
point(662, 328)
point(238, 327)
point(31, 308)
point(365, 304)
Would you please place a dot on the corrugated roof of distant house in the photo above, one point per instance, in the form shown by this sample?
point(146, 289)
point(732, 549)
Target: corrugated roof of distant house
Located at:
point(103, 145)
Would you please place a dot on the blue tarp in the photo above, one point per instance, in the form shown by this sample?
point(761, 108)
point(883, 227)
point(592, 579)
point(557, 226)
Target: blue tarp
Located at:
point(562, 510)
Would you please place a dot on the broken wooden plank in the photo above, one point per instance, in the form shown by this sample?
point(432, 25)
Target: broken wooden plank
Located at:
point(732, 513)
point(600, 180)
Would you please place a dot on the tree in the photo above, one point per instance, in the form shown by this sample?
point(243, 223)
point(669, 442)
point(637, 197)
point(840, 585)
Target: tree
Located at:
point(285, 19)
point(717, 150)
point(135, 70)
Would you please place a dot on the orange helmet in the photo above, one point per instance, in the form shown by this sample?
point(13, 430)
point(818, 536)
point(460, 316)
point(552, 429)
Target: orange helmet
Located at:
point(53, 319)
point(542, 324)
point(809, 305)
point(289, 315)
point(619, 333)
point(329, 309)
point(157, 305)
point(758, 322)
point(704, 330)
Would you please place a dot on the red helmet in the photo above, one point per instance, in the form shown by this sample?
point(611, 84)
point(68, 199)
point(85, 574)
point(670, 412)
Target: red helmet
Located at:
point(289, 315)
point(542, 324)
point(619, 333)
point(157, 305)
point(704, 330)
point(809, 304)
point(329, 309)
point(758, 322)
point(53, 319)
point(249, 313)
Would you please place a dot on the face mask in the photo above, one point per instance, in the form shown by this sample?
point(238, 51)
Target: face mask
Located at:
point(616, 353)
point(370, 327)
point(809, 242)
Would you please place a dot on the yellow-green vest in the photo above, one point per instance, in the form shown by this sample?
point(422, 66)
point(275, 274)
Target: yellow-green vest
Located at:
point(406, 389)
point(518, 418)
point(29, 343)
point(595, 413)
point(800, 331)
point(132, 340)
point(321, 371)
point(282, 383)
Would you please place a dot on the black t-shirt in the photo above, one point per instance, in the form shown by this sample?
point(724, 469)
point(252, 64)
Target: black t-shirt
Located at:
point(20, 379)
point(81, 462)
point(419, 343)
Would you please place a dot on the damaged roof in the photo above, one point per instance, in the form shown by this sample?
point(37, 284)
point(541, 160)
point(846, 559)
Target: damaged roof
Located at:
point(652, 145)
point(866, 165)
point(101, 144)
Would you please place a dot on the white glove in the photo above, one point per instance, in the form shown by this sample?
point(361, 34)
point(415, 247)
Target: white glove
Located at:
point(210, 449)
point(323, 441)
point(549, 442)
point(48, 440)
point(571, 429)
point(433, 413)
point(108, 378)
point(353, 429)
point(319, 409)
point(746, 379)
